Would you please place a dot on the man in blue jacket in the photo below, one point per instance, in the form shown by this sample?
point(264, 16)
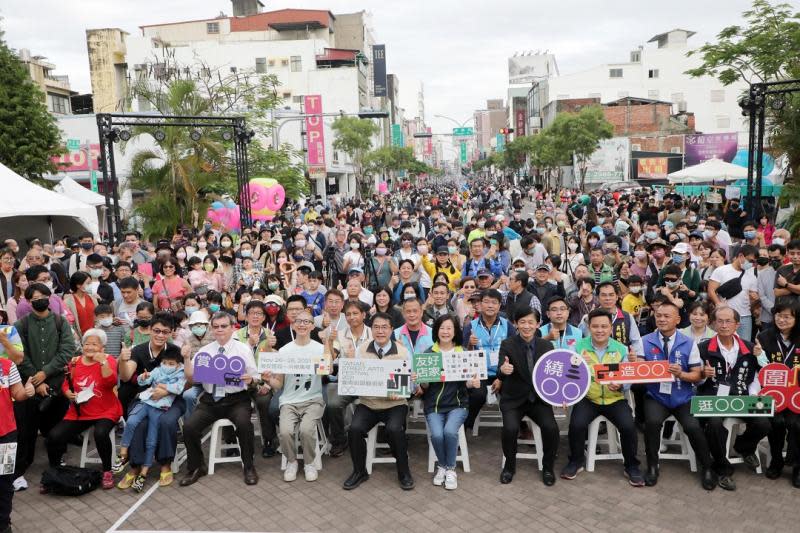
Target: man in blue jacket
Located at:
point(478, 260)
point(673, 398)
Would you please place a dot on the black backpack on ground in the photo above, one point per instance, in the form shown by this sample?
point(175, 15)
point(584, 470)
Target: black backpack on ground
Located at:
point(70, 480)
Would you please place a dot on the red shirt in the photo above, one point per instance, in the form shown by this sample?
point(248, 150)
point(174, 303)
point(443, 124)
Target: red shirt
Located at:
point(8, 376)
point(104, 403)
point(85, 311)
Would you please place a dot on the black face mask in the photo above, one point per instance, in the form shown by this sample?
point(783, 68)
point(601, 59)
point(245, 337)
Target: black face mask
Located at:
point(142, 323)
point(40, 305)
point(776, 263)
point(762, 261)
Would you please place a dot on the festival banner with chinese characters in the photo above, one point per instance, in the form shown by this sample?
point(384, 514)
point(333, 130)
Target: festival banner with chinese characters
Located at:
point(315, 137)
point(704, 146)
point(218, 369)
point(374, 377)
point(738, 406)
point(652, 167)
point(781, 383)
point(279, 363)
point(450, 366)
point(638, 372)
point(561, 377)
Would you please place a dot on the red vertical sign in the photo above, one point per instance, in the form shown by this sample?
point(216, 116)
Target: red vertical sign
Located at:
point(520, 131)
point(315, 135)
point(429, 142)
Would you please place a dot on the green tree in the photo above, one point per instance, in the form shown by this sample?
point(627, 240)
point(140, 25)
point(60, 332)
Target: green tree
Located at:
point(353, 136)
point(386, 161)
point(580, 134)
point(284, 165)
point(29, 136)
point(548, 156)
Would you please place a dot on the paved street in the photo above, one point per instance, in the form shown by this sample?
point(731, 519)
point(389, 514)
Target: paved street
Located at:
point(599, 501)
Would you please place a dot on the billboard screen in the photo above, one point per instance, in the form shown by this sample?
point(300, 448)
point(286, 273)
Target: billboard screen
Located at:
point(653, 167)
point(705, 146)
point(609, 162)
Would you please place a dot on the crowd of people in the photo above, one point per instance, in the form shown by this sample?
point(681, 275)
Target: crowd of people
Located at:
point(96, 332)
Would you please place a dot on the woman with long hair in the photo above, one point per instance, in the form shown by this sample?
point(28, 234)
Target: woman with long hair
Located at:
point(383, 304)
point(80, 303)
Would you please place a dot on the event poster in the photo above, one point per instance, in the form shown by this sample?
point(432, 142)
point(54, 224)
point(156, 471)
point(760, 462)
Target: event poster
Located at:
point(704, 146)
point(630, 372)
point(8, 458)
point(609, 162)
point(450, 366)
point(738, 406)
point(279, 363)
point(218, 369)
point(374, 377)
point(561, 377)
point(780, 382)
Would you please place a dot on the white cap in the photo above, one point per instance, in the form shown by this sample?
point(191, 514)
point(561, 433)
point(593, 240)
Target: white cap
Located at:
point(198, 317)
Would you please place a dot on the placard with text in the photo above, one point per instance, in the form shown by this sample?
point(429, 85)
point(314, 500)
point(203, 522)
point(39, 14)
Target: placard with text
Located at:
point(450, 366)
point(633, 372)
point(374, 377)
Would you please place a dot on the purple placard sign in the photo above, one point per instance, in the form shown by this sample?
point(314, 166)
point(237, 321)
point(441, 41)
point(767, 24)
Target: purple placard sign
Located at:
point(704, 146)
point(218, 369)
point(561, 377)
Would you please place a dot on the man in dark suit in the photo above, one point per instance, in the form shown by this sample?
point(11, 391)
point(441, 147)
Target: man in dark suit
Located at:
point(518, 355)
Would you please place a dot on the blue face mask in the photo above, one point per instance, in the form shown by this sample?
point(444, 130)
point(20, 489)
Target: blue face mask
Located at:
point(750, 235)
point(651, 234)
point(678, 258)
point(368, 231)
point(190, 309)
point(213, 307)
point(608, 231)
point(168, 369)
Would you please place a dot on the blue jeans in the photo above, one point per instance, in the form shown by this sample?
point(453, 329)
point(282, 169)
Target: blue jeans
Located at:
point(745, 329)
point(443, 429)
point(190, 397)
point(140, 412)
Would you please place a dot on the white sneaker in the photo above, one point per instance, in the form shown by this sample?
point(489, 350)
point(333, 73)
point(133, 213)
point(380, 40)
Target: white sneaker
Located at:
point(310, 472)
point(438, 478)
point(290, 474)
point(451, 480)
point(20, 484)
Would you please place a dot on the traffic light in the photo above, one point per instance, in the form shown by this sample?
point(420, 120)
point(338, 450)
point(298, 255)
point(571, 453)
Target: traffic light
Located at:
point(506, 131)
point(371, 113)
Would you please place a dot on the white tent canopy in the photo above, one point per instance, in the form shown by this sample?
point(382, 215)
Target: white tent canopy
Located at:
point(708, 171)
point(28, 210)
point(69, 187)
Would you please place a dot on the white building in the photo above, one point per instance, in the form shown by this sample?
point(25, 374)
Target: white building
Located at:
point(657, 72)
point(298, 46)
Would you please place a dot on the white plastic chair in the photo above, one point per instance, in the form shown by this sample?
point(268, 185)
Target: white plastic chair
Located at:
point(611, 440)
point(91, 456)
point(372, 445)
point(322, 446)
point(538, 455)
point(462, 457)
point(679, 439)
point(217, 447)
point(735, 426)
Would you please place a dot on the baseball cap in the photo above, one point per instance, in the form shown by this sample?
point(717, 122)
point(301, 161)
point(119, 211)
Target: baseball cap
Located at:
point(681, 248)
point(482, 273)
point(274, 299)
point(543, 267)
point(198, 317)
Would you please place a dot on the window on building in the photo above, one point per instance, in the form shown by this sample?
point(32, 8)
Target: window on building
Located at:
point(261, 65)
point(297, 99)
point(286, 96)
point(636, 56)
point(297, 64)
point(336, 156)
point(723, 121)
point(652, 94)
point(615, 73)
point(284, 62)
point(212, 27)
point(652, 73)
point(677, 98)
point(144, 104)
point(718, 95)
point(58, 104)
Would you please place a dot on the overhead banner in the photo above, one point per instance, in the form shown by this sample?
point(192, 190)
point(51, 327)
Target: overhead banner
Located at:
point(653, 167)
point(704, 146)
point(379, 69)
point(315, 135)
point(609, 162)
point(450, 366)
point(374, 377)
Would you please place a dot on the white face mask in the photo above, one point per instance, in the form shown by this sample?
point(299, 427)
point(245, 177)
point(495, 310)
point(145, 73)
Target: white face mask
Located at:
point(105, 322)
point(572, 246)
point(355, 246)
point(778, 241)
point(275, 247)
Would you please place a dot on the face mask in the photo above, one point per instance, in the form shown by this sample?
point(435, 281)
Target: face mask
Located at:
point(142, 323)
point(746, 265)
point(246, 253)
point(423, 249)
point(678, 258)
point(282, 260)
point(355, 246)
point(226, 259)
point(549, 225)
point(207, 226)
point(380, 252)
point(409, 296)
point(608, 231)
point(572, 246)
point(40, 305)
point(452, 250)
point(273, 285)
point(96, 272)
point(776, 263)
point(561, 224)
point(481, 224)
point(368, 231)
point(105, 322)
point(692, 219)
point(209, 267)
point(651, 234)
point(701, 227)
point(635, 217)
point(49, 285)
point(168, 369)
point(750, 235)
point(213, 307)
point(672, 284)
point(592, 243)
point(708, 234)
point(191, 309)
point(682, 236)
point(635, 290)
point(600, 220)
point(198, 331)
point(300, 244)
point(226, 243)
point(273, 310)
point(202, 245)
point(778, 241)
point(86, 245)
point(540, 230)
point(762, 261)
point(59, 248)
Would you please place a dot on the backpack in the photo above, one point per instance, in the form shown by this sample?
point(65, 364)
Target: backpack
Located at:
point(70, 480)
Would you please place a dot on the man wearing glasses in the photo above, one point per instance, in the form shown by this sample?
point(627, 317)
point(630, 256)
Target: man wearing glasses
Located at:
point(230, 401)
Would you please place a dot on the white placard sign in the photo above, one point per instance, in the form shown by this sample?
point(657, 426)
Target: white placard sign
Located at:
point(8, 458)
point(374, 377)
point(279, 363)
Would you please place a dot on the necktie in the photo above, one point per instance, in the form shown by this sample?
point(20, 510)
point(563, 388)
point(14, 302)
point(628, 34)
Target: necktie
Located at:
point(529, 354)
point(218, 391)
point(665, 346)
point(380, 353)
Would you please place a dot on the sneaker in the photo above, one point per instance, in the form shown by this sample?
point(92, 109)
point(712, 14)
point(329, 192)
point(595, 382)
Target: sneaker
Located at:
point(310, 472)
point(108, 480)
point(727, 483)
point(634, 476)
point(138, 483)
point(20, 484)
point(451, 480)
point(438, 477)
point(751, 461)
point(119, 464)
point(290, 474)
point(571, 470)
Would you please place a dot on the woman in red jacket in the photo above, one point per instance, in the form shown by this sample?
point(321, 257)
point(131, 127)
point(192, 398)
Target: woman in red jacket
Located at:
point(93, 403)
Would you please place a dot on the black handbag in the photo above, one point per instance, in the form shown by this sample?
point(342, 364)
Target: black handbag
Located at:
point(731, 288)
point(70, 480)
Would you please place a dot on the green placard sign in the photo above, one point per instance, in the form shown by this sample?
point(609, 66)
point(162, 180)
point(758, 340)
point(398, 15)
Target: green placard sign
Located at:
point(73, 145)
point(736, 406)
point(397, 135)
point(450, 366)
point(463, 153)
point(93, 181)
point(463, 132)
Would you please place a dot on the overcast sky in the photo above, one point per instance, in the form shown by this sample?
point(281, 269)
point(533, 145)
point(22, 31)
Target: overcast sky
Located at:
point(457, 48)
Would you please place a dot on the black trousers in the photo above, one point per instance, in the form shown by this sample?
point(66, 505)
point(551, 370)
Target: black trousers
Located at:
point(542, 415)
point(746, 443)
point(364, 419)
point(781, 424)
point(236, 408)
point(477, 399)
point(7, 485)
point(30, 421)
point(654, 415)
point(59, 437)
point(619, 413)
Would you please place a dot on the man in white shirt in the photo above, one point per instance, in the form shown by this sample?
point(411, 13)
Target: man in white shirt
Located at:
point(231, 401)
point(739, 298)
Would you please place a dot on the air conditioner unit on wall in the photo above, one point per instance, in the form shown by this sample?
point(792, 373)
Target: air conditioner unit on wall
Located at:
point(675, 150)
point(636, 147)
